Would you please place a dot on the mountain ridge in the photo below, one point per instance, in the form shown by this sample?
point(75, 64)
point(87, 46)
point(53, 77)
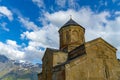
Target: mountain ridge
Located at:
point(16, 70)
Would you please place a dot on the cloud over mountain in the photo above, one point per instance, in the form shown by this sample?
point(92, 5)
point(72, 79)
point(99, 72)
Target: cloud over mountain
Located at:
point(36, 24)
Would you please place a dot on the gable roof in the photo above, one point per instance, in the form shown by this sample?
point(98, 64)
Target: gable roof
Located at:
point(51, 50)
point(102, 40)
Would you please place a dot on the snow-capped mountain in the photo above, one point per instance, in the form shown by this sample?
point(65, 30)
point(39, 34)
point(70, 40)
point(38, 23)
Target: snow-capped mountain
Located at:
point(24, 70)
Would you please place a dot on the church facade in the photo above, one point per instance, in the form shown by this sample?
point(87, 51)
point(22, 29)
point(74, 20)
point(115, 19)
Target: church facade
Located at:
point(79, 60)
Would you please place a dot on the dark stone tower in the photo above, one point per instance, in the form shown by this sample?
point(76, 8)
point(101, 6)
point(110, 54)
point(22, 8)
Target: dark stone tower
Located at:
point(71, 36)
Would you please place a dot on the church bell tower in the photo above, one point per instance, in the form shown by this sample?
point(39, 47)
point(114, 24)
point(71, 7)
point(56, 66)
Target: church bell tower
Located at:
point(71, 36)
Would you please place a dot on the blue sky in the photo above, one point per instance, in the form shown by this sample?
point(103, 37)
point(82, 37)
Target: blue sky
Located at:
point(27, 27)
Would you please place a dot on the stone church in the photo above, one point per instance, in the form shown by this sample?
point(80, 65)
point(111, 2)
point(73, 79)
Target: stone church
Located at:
point(79, 60)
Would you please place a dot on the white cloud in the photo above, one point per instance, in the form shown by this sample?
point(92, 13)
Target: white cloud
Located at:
point(96, 24)
point(39, 3)
point(3, 25)
point(103, 3)
point(16, 52)
point(28, 24)
point(6, 12)
point(117, 13)
point(12, 43)
point(39, 37)
point(47, 36)
point(73, 4)
point(70, 3)
point(10, 50)
point(33, 51)
point(90, 20)
point(53, 18)
point(82, 16)
point(61, 3)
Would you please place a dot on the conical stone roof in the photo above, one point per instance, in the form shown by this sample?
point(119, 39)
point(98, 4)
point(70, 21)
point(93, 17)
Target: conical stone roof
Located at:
point(71, 22)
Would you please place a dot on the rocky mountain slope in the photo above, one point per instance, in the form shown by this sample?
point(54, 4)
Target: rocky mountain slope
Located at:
point(15, 70)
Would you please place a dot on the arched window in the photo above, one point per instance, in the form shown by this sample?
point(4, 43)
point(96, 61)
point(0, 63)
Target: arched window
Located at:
point(74, 36)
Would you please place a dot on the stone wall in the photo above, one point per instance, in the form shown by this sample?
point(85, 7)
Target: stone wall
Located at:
point(47, 65)
point(102, 60)
point(59, 73)
point(99, 63)
point(40, 76)
point(59, 58)
point(77, 69)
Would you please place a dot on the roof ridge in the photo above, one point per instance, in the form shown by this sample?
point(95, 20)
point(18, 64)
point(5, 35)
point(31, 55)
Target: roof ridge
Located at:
point(71, 22)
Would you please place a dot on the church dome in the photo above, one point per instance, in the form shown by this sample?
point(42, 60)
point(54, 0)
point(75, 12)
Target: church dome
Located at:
point(71, 22)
